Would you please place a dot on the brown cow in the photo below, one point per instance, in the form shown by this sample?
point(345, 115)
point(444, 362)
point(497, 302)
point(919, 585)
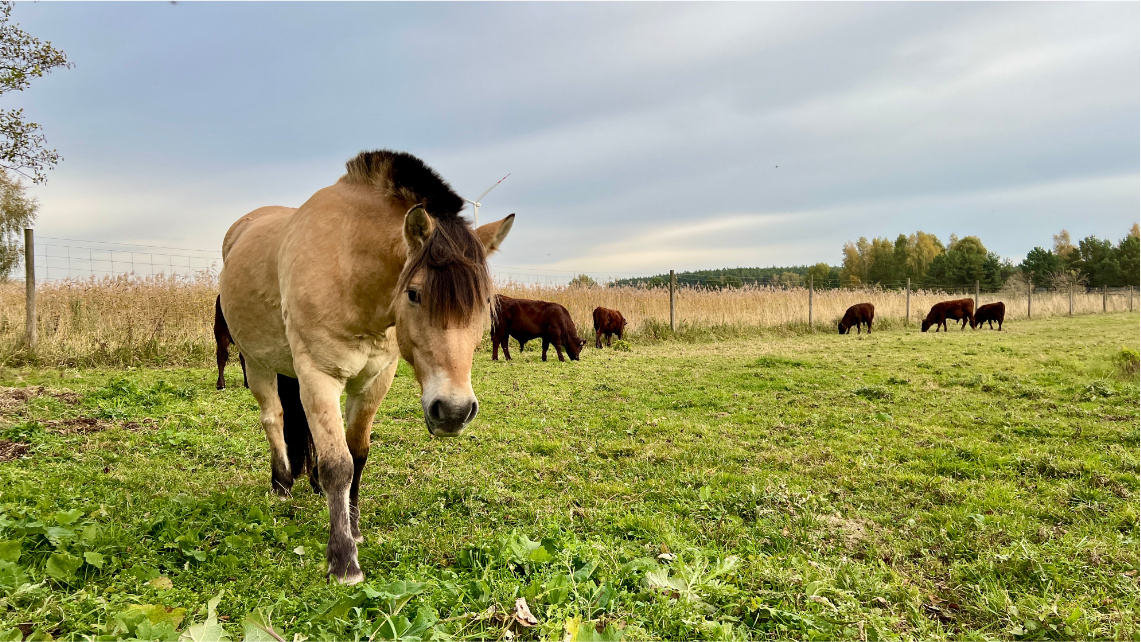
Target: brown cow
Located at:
point(990, 313)
point(608, 322)
point(526, 319)
point(857, 315)
point(224, 340)
point(959, 309)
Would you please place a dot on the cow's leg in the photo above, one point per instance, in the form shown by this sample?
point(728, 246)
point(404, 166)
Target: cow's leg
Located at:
point(546, 344)
point(859, 328)
point(609, 336)
point(494, 349)
point(321, 397)
point(507, 347)
point(559, 350)
point(869, 327)
point(263, 385)
point(598, 339)
point(360, 406)
point(1000, 325)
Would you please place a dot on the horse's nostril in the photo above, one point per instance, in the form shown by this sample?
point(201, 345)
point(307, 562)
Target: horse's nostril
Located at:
point(434, 410)
point(472, 412)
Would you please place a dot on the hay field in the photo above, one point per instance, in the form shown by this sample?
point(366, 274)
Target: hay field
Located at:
point(158, 320)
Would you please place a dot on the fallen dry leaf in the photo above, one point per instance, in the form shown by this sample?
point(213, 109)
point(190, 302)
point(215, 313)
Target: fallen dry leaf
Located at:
point(522, 614)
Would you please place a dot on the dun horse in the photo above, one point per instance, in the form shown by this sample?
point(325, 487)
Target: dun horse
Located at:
point(329, 296)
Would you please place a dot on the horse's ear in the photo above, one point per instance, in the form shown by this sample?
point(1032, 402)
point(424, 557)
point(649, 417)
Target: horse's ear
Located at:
point(492, 234)
point(418, 226)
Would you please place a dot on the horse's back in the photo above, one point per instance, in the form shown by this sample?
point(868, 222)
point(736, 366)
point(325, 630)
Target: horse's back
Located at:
point(249, 287)
point(268, 214)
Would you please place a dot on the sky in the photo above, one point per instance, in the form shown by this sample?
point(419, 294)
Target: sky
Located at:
point(639, 137)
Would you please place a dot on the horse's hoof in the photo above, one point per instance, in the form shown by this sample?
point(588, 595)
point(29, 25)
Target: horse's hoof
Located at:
point(353, 576)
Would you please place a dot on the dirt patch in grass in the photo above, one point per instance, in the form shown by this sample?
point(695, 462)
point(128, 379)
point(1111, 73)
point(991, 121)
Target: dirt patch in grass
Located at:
point(12, 398)
point(853, 532)
point(11, 450)
point(80, 425)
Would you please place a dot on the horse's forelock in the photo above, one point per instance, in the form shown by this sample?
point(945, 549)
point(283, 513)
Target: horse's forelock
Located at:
point(457, 282)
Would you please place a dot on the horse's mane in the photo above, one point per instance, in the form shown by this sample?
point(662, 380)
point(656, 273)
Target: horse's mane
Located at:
point(457, 283)
point(405, 177)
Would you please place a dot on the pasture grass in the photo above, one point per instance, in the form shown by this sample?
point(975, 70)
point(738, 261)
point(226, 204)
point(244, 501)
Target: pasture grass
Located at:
point(967, 485)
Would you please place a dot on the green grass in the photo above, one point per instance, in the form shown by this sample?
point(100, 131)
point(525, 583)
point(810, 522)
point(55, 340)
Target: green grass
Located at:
point(965, 485)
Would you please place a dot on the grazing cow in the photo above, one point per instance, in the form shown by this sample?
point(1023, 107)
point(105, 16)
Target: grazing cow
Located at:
point(856, 316)
point(990, 313)
point(608, 322)
point(224, 340)
point(959, 309)
point(525, 319)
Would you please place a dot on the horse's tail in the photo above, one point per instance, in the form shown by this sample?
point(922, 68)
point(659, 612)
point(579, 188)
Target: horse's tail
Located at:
point(296, 426)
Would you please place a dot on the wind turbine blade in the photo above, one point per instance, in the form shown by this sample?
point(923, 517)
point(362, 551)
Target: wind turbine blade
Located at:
point(491, 188)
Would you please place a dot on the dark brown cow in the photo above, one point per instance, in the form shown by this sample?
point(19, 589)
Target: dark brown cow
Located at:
point(857, 315)
point(526, 319)
point(959, 309)
point(990, 313)
point(608, 322)
point(224, 341)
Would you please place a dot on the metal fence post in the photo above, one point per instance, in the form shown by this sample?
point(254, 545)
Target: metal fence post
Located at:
point(810, 289)
point(673, 301)
point(907, 308)
point(29, 290)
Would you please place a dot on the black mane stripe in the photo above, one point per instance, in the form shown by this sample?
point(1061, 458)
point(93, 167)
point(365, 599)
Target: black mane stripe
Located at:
point(404, 176)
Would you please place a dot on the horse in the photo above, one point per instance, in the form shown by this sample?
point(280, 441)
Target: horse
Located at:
point(327, 297)
point(223, 340)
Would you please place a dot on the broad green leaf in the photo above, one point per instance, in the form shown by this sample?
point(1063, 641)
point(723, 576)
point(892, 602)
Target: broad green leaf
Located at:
point(210, 629)
point(62, 566)
point(257, 627)
point(69, 517)
point(13, 634)
point(157, 613)
point(94, 559)
point(10, 551)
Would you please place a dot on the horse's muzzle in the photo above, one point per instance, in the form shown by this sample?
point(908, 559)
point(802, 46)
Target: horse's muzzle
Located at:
point(448, 417)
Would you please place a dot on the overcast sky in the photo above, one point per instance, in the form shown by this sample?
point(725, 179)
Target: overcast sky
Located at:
point(639, 137)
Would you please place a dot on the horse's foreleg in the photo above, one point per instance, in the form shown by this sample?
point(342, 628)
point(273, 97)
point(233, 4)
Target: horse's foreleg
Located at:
point(223, 354)
point(321, 397)
point(263, 385)
point(360, 406)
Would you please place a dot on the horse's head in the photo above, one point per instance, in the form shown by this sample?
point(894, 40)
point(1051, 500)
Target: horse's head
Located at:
point(441, 307)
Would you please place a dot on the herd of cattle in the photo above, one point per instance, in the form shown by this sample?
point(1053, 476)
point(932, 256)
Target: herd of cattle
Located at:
point(957, 310)
point(527, 319)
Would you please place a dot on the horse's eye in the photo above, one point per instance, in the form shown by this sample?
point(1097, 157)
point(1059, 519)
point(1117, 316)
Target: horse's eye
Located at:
point(414, 296)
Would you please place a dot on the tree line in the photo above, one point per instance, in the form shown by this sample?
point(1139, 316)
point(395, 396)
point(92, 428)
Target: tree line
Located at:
point(924, 259)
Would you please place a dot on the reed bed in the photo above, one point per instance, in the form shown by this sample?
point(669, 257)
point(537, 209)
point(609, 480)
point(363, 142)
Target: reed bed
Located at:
point(159, 320)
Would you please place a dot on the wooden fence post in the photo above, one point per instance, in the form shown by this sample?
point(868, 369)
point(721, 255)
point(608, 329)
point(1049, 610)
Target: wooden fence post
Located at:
point(1071, 298)
point(1131, 298)
point(810, 289)
point(1029, 290)
point(976, 295)
point(1104, 296)
point(673, 301)
point(29, 290)
point(907, 310)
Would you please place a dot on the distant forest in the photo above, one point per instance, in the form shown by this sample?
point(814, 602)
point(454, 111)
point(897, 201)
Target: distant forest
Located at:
point(924, 259)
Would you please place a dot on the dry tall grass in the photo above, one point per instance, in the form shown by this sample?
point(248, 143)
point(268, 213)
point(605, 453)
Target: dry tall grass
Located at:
point(162, 320)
